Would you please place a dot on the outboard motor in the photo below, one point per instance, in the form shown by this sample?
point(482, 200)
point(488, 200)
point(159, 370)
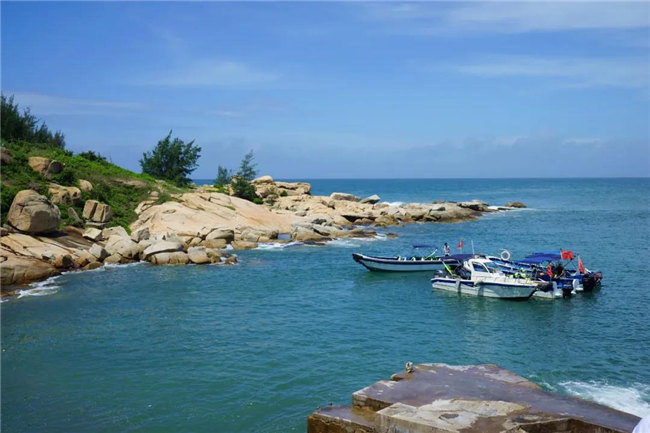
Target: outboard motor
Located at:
point(588, 282)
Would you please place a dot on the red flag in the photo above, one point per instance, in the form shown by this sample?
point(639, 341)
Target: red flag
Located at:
point(549, 271)
point(460, 244)
point(566, 255)
point(581, 267)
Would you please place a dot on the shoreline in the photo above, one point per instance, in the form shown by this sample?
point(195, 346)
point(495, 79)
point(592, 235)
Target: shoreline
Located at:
point(196, 228)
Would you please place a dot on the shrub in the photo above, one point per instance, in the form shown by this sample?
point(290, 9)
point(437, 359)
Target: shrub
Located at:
point(171, 160)
point(17, 126)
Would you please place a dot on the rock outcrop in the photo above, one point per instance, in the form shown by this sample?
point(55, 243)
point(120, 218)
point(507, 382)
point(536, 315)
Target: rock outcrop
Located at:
point(33, 213)
point(472, 398)
point(67, 195)
point(97, 212)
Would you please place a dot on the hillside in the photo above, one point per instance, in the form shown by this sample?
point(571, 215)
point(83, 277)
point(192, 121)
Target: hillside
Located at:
point(113, 185)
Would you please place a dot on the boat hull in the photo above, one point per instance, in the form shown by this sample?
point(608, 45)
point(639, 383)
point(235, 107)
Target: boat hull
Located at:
point(394, 264)
point(484, 288)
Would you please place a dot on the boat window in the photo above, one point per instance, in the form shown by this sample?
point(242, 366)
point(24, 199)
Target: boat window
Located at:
point(479, 267)
point(492, 267)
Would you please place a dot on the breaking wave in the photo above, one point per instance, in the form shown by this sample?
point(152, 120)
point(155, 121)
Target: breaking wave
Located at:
point(42, 288)
point(634, 400)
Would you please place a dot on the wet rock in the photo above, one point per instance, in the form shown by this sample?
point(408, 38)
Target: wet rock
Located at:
point(113, 259)
point(476, 205)
point(516, 204)
point(33, 213)
point(20, 270)
point(230, 260)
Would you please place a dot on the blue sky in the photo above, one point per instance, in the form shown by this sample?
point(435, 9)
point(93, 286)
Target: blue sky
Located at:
point(344, 90)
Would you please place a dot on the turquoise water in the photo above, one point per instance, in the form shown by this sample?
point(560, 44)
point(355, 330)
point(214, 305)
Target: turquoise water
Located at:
point(260, 345)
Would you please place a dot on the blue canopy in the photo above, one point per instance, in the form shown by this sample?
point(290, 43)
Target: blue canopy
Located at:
point(537, 259)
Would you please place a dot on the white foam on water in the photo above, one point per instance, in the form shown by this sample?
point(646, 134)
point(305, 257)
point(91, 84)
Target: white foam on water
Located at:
point(393, 203)
point(121, 265)
point(42, 288)
point(229, 247)
point(277, 245)
point(634, 400)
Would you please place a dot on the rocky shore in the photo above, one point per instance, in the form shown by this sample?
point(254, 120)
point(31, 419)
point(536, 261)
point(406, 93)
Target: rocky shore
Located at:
point(196, 227)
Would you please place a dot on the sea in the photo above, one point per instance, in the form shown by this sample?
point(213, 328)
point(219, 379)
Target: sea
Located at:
point(258, 346)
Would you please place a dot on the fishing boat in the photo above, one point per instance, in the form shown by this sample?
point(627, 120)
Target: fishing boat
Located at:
point(429, 263)
point(553, 265)
point(478, 276)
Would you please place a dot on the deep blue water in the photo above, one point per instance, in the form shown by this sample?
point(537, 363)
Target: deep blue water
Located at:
point(260, 345)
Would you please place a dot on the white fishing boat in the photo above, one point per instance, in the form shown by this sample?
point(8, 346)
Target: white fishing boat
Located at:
point(480, 277)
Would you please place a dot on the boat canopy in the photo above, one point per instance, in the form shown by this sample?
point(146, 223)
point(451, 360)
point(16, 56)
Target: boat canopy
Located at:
point(547, 256)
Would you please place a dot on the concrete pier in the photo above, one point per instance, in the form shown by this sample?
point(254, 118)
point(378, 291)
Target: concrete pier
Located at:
point(440, 398)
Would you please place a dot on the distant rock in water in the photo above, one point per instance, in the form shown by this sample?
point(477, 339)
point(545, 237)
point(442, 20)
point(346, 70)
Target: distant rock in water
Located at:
point(516, 204)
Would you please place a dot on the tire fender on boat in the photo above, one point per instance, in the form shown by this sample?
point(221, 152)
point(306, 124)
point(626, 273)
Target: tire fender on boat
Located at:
point(505, 255)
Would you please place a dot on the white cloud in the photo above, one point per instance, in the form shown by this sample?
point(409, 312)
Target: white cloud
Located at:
point(45, 105)
point(582, 72)
point(214, 73)
point(519, 17)
point(511, 16)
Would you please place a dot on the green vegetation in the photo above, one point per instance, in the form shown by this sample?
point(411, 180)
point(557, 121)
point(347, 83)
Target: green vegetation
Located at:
point(172, 160)
point(25, 127)
point(122, 189)
point(241, 181)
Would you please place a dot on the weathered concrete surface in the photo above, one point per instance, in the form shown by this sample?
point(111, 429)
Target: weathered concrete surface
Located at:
point(481, 398)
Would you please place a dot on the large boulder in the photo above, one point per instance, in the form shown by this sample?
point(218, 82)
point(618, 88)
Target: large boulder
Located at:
point(221, 233)
point(475, 205)
point(33, 213)
point(215, 243)
point(19, 269)
point(97, 212)
point(93, 234)
point(114, 231)
point(123, 246)
point(38, 163)
point(64, 194)
point(98, 252)
point(161, 247)
point(243, 245)
point(84, 185)
point(263, 179)
point(344, 196)
point(170, 258)
point(372, 199)
point(198, 255)
point(141, 234)
point(5, 156)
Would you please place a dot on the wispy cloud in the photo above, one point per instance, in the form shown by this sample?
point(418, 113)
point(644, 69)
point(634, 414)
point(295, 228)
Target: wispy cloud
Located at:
point(511, 17)
point(57, 105)
point(215, 73)
point(580, 72)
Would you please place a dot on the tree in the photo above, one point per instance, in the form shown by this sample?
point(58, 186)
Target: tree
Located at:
point(241, 182)
point(247, 168)
point(17, 126)
point(171, 160)
point(223, 176)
